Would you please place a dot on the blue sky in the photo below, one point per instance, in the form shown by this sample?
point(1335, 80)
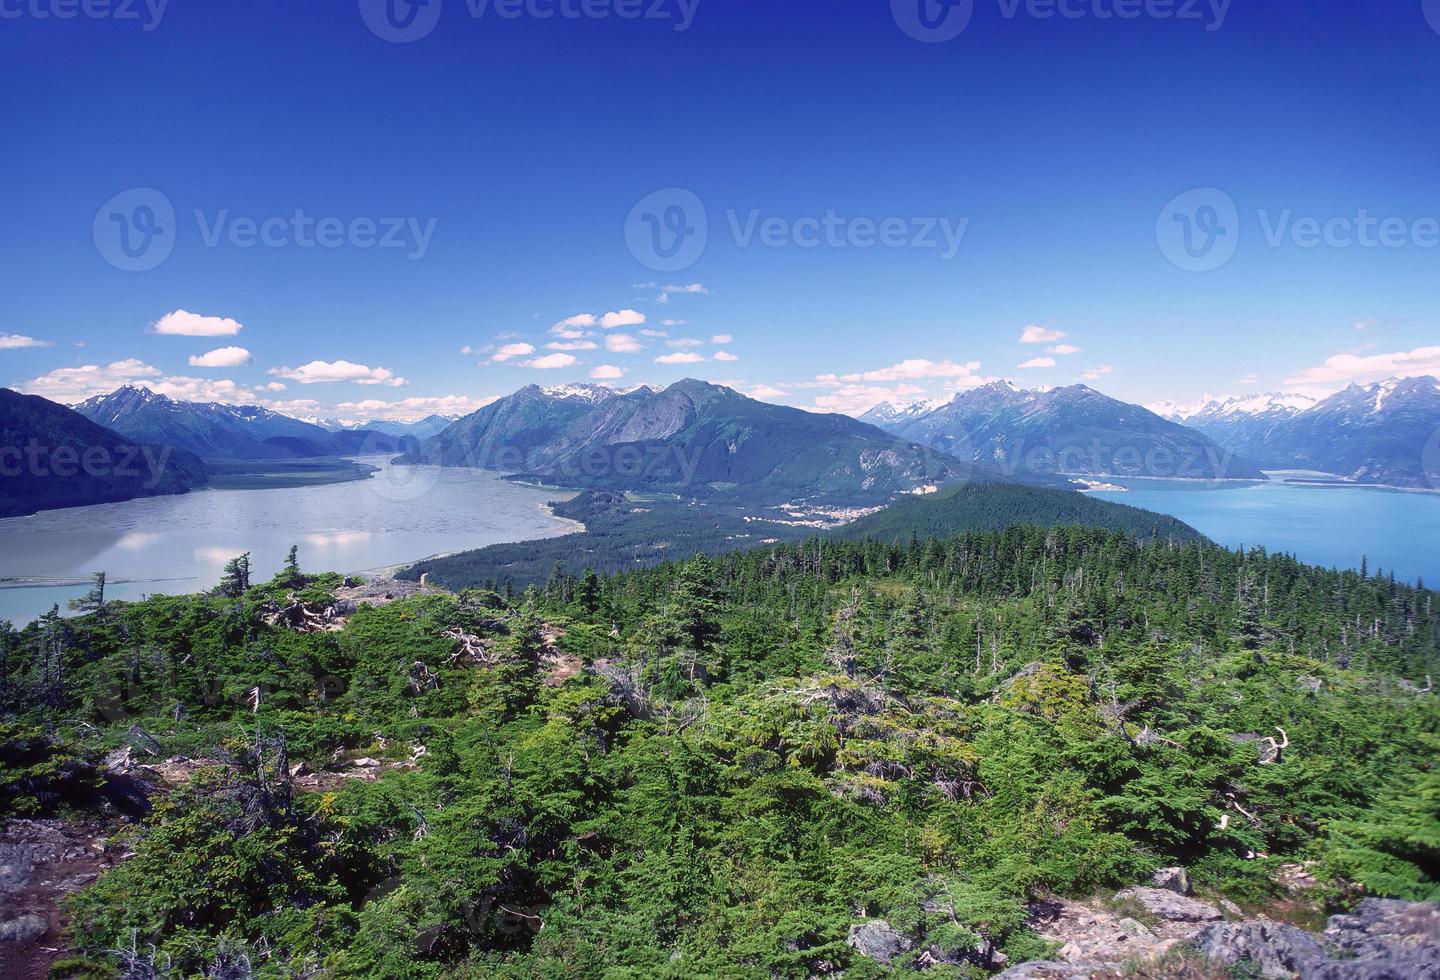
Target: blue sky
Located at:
point(500, 158)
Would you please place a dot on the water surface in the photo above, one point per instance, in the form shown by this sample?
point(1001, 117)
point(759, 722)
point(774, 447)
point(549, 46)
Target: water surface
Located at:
point(1325, 525)
point(180, 544)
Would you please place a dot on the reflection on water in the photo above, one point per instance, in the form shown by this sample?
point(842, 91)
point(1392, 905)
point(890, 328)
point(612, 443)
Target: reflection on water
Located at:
point(1332, 526)
point(180, 544)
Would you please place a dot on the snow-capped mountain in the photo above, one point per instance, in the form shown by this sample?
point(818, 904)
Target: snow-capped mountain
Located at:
point(886, 414)
point(1074, 430)
point(215, 431)
point(1372, 433)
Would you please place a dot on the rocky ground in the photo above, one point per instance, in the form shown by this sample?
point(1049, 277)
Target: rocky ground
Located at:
point(41, 862)
point(1183, 936)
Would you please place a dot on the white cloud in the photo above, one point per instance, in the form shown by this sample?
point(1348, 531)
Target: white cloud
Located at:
point(685, 342)
point(185, 324)
point(572, 345)
point(767, 392)
point(674, 323)
point(274, 386)
point(693, 289)
point(722, 338)
point(328, 372)
point(76, 384)
point(1249, 379)
point(579, 320)
point(412, 409)
point(1363, 325)
point(1342, 369)
point(689, 357)
point(511, 351)
point(1036, 334)
point(467, 350)
point(15, 341)
point(1038, 362)
point(857, 399)
point(908, 370)
point(551, 362)
point(622, 318)
point(725, 355)
point(653, 333)
point(1098, 372)
point(622, 343)
point(221, 357)
point(606, 372)
point(1063, 349)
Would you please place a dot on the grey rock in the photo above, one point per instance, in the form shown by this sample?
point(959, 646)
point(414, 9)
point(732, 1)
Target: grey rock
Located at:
point(1381, 939)
point(1176, 880)
point(1052, 970)
point(22, 928)
point(878, 940)
point(1276, 949)
point(1165, 904)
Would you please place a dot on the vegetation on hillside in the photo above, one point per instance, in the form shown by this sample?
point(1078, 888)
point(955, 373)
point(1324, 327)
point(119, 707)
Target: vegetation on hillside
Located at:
point(716, 768)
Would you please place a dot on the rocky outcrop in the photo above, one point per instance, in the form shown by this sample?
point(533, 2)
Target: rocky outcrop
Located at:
point(1380, 940)
point(878, 940)
point(1169, 906)
point(1271, 948)
point(1176, 880)
point(42, 862)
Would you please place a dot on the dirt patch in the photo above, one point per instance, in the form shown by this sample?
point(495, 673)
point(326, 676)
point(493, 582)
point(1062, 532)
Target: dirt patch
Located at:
point(42, 862)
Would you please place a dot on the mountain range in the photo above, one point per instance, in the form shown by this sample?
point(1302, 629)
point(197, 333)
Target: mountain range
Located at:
point(52, 457)
point(1074, 431)
point(1375, 433)
point(225, 432)
point(692, 437)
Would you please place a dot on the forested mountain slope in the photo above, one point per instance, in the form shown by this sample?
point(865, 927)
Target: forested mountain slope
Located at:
point(53, 457)
point(737, 767)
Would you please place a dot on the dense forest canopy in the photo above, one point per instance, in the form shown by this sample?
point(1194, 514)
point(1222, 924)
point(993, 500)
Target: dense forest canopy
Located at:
point(717, 767)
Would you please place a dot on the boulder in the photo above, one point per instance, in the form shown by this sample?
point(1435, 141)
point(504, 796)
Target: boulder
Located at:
point(878, 940)
point(22, 928)
point(1384, 938)
point(1273, 948)
point(1176, 880)
point(1167, 905)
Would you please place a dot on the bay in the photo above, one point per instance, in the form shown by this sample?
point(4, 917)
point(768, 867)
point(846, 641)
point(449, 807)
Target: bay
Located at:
point(179, 544)
point(1334, 526)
